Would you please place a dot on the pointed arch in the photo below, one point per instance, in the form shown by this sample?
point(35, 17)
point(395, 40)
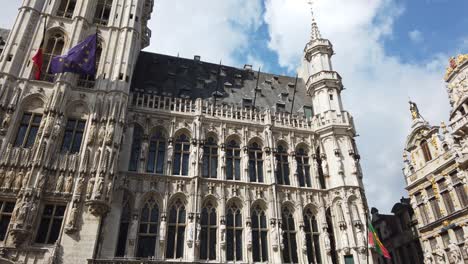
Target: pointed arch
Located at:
point(312, 233)
point(181, 156)
point(234, 229)
point(282, 163)
point(176, 227)
point(66, 8)
point(259, 231)
point(255, 152)
point(233, 158)
point(210, 157)
point(138, 134)
point(303, 166)
point(125, 218)
point(289, 234)
point(32, 108)
point(148, 227)
point(54, 44)
point(209, 220)
point(156, 151)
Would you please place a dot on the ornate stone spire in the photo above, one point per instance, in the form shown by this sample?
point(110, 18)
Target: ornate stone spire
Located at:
point(314, 31)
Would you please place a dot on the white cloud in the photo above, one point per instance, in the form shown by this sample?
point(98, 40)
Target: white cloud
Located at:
point(416, 36)
point(211, 28)
point(378, 85)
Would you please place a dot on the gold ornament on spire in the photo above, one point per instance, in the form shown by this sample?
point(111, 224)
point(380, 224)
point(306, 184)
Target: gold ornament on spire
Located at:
point(414, 110)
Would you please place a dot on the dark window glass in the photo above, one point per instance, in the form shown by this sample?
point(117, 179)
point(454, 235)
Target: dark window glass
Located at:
point(51, 224)
point(255, 163)
point(234, 234)
point(6, 210)
point(103, 8)
point(233, 159)
point(66, 8)
point(156, 153)
point(210, 159)
point(176, 231)
point(147, 230)
point(308, 112)
point(181, 156)
point(318, 163)
point(426, 151)
point(289, 237)
point(208, 232)
point(303, 168)
point(259, 236)
point(54, 47)
point(461, 193)
point(27, 130)
point(282, 168)
point(73, 136)
point(312, 237)
point(136, 148)
point(124, 224)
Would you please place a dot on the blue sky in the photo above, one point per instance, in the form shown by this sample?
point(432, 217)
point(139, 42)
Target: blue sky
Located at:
point(386, 51)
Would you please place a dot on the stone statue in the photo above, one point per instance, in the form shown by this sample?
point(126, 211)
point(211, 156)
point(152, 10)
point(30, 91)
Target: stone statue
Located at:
point(248, 235)
point(196, 127)
point(24, 184)
point(223, 158)
point(190, 233)
point(428, 258)
point(245, 160)
point(325, 165)
point(198, 232)
point(109, 190)
point(414, 110)
point(100, 188)
point(200, 155)
point(326, 241)
point(69, 183)
point(162, 229)
point(6, 121)
point(439, 255)
point(22, 211)
point(92, 132)
point(19, 180)
point(102, 133)
point(57, 128)
point(274, 236)
point(344, 239)
point(281, 238)
point(41, 180)
point(2, 176)
point(89, 189)
point(9, 179)
point(31, 214)
point(454, 254)
point(222, 228)
point(110, 135)
point(59, 184)
point(304, 239)
point(73, 216)
point(268, 163)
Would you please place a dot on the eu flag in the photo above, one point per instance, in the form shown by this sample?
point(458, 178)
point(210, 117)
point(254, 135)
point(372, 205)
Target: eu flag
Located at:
point(79, 59)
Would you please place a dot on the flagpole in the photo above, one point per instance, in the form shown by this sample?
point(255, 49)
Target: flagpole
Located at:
point(217, 84)
point(294, 96)
point(367, 233)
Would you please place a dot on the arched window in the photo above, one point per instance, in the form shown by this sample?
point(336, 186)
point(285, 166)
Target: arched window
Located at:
point(208, 232)
point(73, 136)
point(181, 156)
point(66, 8)
point(27, 130)
point(147, 231)
point(103, 8)
point(210, 159)
point(303, 168)
point(54, 47)
point(259, 235)
point(233, 158)
point(331, 233)
point(176, 230)
point(282, 168)
point(136, 148)
point(312, 237)
point(426, 151)
point(156, 152)
point(234, 233)
point(289, 237)
point(124, 224)
point(255, 163)
point(87, 80)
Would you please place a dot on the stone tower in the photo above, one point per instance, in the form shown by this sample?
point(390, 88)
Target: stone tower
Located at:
point(60, 135)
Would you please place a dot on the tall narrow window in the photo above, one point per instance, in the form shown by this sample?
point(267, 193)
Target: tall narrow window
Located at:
point(459, 188)
point(426, 151)
point(51, 224)
point(54, 48)
point(103, 8)
point(449, 206)
point(176, 230)
point(234, 233)
point(289, 237)
point(422, 209)
point(73, 136)
point(156, 152)
point(303, 168)
point(88, 80)
point(148, 228)
point(123, 228)
point(136, 148)
point(66, 8)
point(259, 235)
point(27, 130)
point(433, 201)
point(255, 163)
point(208, 232)
point(6, 210)
point(233, 159)
point(181, 156)
point(210, 159)
point(282, 168)
point(312, 237)
point(331, 233)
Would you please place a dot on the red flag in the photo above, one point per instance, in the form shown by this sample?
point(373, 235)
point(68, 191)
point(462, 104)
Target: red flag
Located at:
point(38, 61)
point(38, 58)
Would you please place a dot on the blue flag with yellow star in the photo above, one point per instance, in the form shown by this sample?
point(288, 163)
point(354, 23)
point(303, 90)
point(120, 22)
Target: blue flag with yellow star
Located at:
point(79, 59)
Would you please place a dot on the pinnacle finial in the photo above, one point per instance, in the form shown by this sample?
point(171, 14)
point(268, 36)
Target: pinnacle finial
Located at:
point(314, 32)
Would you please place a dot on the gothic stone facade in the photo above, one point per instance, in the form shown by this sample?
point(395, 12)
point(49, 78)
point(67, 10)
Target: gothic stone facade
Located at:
point(436, 169)
point(158, 158)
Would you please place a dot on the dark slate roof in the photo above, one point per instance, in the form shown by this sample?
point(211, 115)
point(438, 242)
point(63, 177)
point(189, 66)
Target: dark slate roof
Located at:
point(190, 78)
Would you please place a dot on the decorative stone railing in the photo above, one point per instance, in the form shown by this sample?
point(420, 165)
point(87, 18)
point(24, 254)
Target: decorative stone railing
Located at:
point(136, 261)
point(237, 113)
point(459, 123)
point(323, 75)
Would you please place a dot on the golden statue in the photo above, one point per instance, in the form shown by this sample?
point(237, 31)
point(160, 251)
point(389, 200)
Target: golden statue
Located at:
point(414, 110)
